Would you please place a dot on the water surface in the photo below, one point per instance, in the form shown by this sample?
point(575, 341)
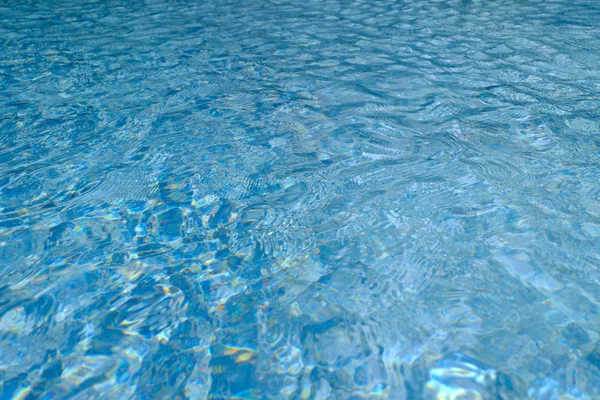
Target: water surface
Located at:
point(299, 199)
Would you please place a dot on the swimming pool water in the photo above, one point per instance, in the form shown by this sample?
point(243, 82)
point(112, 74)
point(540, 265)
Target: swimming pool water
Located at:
point(288, 199)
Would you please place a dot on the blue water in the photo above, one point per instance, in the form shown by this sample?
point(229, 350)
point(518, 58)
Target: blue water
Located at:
point(299, 199)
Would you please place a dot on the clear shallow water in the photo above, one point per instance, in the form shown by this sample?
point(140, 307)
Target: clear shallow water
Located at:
point(299, 199)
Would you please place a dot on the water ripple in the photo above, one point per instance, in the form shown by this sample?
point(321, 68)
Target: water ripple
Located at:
point(299, 199)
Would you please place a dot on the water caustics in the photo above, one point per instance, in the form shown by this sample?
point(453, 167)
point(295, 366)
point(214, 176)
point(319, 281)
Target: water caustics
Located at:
point(299, 199)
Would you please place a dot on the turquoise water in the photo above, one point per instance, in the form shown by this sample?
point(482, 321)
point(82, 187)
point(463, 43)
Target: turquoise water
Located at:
point(299, 199)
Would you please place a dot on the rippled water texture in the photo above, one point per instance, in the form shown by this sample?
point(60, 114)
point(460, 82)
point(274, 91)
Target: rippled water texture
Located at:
point(299, 199)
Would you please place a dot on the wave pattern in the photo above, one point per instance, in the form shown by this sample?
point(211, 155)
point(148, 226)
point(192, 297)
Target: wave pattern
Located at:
point(300, 199)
